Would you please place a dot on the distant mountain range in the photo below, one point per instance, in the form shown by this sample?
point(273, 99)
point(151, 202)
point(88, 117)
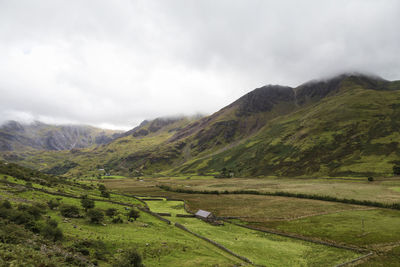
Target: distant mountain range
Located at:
point(347, 125)
point(15, 136)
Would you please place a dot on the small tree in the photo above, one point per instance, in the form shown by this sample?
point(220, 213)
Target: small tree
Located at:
point(133, 214)
point(87, 203)
point(111, 212)
point(95, 215)
point(370, 179)
point(102, 187)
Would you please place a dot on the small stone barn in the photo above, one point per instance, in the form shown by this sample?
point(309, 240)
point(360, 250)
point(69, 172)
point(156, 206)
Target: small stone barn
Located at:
point(205, 215)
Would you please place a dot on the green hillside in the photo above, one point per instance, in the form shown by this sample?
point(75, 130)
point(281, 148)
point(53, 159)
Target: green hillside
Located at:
point(353, 130)
point(344, 126)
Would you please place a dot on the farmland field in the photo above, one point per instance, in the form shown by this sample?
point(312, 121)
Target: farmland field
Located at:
point(382, 190)
point(371, 228)
point(261, 248)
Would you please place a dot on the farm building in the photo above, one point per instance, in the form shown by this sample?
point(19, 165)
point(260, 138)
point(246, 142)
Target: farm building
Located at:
point(205, 215)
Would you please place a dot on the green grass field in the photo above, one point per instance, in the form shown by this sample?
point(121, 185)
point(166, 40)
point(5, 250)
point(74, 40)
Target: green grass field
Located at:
point(381, 190)
point(361, 228)
point(321, 220)
point(262, 248)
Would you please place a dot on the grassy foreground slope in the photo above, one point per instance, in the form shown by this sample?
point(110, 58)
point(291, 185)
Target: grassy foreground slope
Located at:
point(35, 233)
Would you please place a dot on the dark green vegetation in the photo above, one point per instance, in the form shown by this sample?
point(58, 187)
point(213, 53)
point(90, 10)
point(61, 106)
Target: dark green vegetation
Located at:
point(344, 126)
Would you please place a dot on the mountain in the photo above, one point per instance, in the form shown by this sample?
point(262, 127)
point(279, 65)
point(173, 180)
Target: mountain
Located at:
point(41, 136)
point(346, 125)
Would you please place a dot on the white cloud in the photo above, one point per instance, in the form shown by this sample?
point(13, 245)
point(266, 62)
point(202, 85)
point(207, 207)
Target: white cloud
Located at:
point(116, 63)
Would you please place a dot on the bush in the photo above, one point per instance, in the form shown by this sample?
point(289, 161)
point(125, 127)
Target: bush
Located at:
point(22, 217)
point(69, 211)
point(370, 179)
point(396, 170)
point(52, 223)
point(102, 187)
point(53, 204)
point(6, 204)
point(95, 215)
point(130, 258)
point(133, 214)
point(117, 220)
point(86, 246)
point(87, 203)
point(51, 231)
point(104, 194)
point(13, 234)
point(111, 212)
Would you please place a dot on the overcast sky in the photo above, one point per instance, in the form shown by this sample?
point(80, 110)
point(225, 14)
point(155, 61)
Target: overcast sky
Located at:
point(116, 63)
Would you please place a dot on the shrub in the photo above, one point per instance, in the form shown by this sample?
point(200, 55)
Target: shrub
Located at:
point(111, 212)
point(87, 203)
point(52, 223)
point(133, 214)
point(53, 204)
point(95, 215)
point(104, 194)
point(22, 217)
point(6, 204)
point(5, 213)
point(117, 220)
point(69, 211)
point(370, 179)
point(130, 258)
point(396, 170)
point(102, 187)
point(86, 246)
point(13, 234)
point(51, 231)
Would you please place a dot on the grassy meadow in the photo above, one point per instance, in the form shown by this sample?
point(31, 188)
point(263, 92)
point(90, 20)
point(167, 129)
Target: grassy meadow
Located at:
point(261, 248)
point(371, 228)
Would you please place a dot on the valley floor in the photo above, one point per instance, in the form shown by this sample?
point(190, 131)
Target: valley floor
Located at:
point(366, 227)
point(255, 227)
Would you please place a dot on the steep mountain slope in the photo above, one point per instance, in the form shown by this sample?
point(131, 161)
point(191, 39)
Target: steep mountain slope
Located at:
point(346, 125)
point(37, 135)
point(88, 161)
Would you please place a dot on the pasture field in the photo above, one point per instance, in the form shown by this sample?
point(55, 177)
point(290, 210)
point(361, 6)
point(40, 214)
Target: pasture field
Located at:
point(261, 248)
point(381, 190)
point(366, 228)
point(371, 228)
